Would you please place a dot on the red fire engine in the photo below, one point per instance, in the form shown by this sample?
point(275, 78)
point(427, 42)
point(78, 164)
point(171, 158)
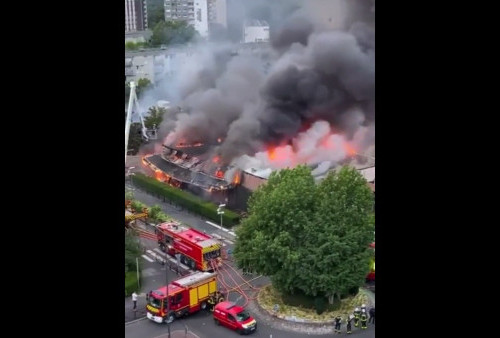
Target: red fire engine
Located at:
point(186, 295)
point(197, 249)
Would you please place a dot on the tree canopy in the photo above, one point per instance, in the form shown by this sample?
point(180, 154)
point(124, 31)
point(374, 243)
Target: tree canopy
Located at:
point(309, 238)
point(172, 32)
point(156, 12)
point(154, 117)
point(132, 250)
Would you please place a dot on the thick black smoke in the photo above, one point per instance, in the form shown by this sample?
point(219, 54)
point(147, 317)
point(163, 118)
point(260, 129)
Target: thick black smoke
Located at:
point(251, 101)
point(331, 75)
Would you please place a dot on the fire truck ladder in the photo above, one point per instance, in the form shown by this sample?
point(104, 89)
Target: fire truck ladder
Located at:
point(147, 134)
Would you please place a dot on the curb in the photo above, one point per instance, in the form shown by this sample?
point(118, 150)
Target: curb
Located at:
point(294, 319)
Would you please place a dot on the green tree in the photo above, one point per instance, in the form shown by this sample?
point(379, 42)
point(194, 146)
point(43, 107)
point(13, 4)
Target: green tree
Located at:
point(130, 45)
point(310, 239)
point(172, 32)
point(137, 206)
point(142, 85)
point(345, 223)
point(155, 12)
point(135, 139)
point(132, 250)
point(154, 212)
point(155, 117)
point(271, 240)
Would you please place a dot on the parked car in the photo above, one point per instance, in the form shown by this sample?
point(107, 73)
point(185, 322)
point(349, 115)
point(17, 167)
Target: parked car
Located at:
point(234, 317)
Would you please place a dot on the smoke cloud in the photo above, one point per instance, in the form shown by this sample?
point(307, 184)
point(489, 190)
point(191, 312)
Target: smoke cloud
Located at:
point(310, 85)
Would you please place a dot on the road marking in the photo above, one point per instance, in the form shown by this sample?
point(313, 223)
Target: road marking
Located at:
point(147, 258)
point(180, 333)
point(160, 252)
point(228, 241)
point(232, 233)
point(217, 226)
point(156, 256)
point(185, 267)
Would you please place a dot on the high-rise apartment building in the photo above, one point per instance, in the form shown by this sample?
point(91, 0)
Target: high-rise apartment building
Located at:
point(198, 13)
point(136, 17)
point(217, 12)
point(195, 12)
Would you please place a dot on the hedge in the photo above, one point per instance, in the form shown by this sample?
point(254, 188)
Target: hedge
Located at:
point(185, 199)
point(131, 283)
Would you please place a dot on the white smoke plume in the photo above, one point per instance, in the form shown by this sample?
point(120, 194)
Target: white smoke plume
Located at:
point(307, 94)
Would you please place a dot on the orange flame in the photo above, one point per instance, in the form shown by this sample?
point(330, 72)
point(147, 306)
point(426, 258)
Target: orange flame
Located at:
point(143, 159)
point(216, 159)
point(219, 140)
point(236, 179)
point(186, 145)
point(271, 153)
point(219, 173)
point(349, 149)
point(280, 154)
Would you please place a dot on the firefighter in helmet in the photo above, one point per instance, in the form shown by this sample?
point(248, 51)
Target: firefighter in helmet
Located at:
point(363, 318)
point(357, 314)
point(211, 303)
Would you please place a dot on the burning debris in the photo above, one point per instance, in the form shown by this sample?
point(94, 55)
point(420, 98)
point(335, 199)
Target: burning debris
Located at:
point(311, 101)
point(191, 164)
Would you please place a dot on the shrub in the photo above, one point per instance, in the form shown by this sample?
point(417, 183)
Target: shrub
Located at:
point(131, 283)
point(320, 305)
point(185, 199)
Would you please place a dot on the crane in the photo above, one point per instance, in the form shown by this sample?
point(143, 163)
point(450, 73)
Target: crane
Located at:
point(147, 134)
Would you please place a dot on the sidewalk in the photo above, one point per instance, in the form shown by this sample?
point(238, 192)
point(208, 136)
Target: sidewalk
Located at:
point(298, 325)
point(179, 334)
point(140, 312)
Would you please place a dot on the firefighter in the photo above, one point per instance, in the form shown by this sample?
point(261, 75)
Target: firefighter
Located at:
point(349, 320)
point(357, 313)
point(211, 303)
point(338, 320)
point(363, 307)
point(363, 318)
point(372, 316)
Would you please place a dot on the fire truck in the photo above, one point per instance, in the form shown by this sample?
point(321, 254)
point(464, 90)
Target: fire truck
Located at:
point(196, 249)
point(182, 297)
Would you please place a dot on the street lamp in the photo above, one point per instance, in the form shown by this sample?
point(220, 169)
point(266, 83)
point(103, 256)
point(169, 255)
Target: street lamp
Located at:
point(220, 212)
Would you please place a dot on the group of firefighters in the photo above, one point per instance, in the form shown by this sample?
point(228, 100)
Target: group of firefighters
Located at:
point(358, 316)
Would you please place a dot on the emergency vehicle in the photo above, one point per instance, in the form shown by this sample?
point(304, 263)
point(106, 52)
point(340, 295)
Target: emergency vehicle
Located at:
point(234, 317)
point(197, 249)
point(184, 296)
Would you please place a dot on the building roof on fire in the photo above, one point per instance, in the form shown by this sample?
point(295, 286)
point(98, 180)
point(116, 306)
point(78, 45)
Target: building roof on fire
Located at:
point(185, 174)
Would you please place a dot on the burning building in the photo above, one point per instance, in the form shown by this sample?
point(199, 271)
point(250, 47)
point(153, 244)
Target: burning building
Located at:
point(310, 101)
point(192, 167)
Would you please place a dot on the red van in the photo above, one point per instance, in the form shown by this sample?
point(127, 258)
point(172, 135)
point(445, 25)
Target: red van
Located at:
point(234, 317)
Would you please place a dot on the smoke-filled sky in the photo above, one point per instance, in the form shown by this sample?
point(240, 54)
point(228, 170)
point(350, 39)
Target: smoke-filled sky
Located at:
point(309, 95)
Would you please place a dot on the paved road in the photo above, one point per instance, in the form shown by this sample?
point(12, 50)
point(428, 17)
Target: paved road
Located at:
point(202, 325)
point(155, 275)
